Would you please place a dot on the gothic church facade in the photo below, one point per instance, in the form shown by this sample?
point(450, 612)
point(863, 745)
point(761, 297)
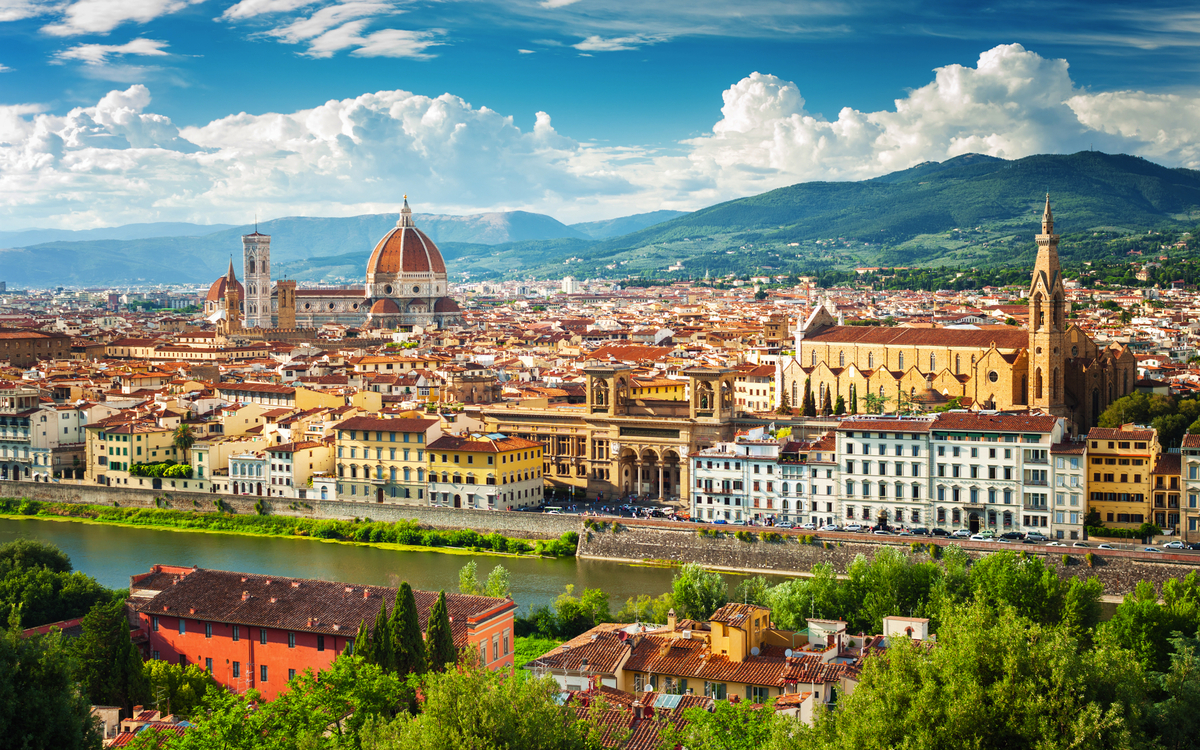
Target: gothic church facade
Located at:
point(1052, 366)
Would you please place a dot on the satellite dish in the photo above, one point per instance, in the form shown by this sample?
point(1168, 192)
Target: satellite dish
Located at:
point(754, 651)
point(788, 653)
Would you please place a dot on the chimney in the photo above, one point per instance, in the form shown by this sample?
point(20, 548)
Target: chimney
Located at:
point(671, 619)
point(637, 710)
point(245, 595)
point(366, 594)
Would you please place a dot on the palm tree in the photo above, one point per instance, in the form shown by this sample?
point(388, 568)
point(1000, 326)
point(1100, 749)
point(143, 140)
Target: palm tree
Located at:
point(183, 439)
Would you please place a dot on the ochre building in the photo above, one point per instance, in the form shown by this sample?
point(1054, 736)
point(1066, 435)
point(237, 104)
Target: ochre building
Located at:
point(1053, 366)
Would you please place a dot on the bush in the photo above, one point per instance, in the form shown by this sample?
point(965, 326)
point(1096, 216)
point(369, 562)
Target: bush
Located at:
point(771, 536)
point(1091, 559)
point(744, 536)
point(1066, 560)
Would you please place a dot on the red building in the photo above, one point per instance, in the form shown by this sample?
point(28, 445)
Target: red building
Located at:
point(253, 631)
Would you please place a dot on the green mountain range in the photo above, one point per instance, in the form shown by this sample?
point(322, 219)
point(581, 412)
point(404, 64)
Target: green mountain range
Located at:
point(970, 210)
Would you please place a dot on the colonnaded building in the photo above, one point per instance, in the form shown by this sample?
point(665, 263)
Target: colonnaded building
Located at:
point(1052, 366)
point(406, 286)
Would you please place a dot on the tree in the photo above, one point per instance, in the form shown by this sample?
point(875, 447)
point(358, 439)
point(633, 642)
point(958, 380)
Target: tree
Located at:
point(484, 710)
point(577, 615)
point(41, 705)
point(183, 439)
point(362, 642)
point(498, 583)
point(741, 725)
point(110, 667)
point(752, 590)
point(176, 688)
point(381, 640)
point(1176, 719)
point(839, 406)
point(853, 398)
point(810, 404)
point(827, 407)
point(408, 645)
point(439, 639)
point(468, 581)
point(785, 406)
point(698, 592)
point(23, 554)
point(994, 680)
point(875, 404)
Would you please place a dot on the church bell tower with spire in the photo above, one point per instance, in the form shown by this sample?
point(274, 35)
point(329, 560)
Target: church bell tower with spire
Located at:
point(1047, 324)
point(256, 261)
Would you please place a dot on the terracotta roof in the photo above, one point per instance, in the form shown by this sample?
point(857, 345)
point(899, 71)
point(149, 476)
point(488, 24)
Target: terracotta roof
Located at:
point(736, 614)
point(1112, 433)
point(1168, 463)
point(455, 443)
point(1191, 441)
point(977, 422)
point(1078, 447)
point(446, 304)
point(405, 249)
point(1012, 338)
point(886, 425)
point(385, 307)
point(386, 425)
point(300, 604)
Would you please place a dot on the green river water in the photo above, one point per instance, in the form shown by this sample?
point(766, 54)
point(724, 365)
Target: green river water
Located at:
point(111, 554)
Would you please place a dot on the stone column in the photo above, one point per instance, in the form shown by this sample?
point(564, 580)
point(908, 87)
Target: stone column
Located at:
point(661, 486)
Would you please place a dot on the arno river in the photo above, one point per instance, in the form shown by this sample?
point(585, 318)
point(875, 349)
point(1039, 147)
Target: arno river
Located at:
point(111, 554)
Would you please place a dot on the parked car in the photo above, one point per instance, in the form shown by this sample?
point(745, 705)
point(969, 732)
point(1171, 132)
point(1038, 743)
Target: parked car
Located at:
point(721, 521)
point(1036, 537)
point(1175, 544)
point(1105, 546)
point(1001, 540)
point(831, 527)
point(1012, 535)
point(904, 532)
point(1056, 544)
point(961, 534)
point(919, 531)
point(938, 532)
point(1153, 549)
point(882, 532)
point(1081, 544)
point(853, 527)
point(809, 525)
point(784, 525)
point(980, 538)
point(1194, 546)
point(988, 533)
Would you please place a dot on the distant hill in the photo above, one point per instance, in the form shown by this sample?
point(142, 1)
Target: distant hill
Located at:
point(970, 210)
point(601, 230)
point(28, 237)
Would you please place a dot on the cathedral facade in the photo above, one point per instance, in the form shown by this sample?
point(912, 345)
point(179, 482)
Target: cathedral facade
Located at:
point(406, 286)
point(1052, 366)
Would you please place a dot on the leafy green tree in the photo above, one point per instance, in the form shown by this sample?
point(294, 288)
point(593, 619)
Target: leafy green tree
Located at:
point(839, 406)
point(1175, 720)
point(698, 592)
point(468, 580)
point(176, 688)
point(498, 583)
point(977, 689)
point(752, 590)
point(785, 406)
point(409, 646)
point(439, 639)
point(41, 705)
point(110, 667)
point(484, 710)
point(795, 600)
point(1134, 408)
point(645, 608)
point(577, 615)
point(24, 554)
point(743, 725)
point(362, 642)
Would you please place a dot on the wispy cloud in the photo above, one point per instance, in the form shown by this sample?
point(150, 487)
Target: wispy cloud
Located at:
point(15, 10)
point(557, 3)
point(615, 44)
point(102, 16)
point(525, 52)
point(252, 8)
point(4, 68)
point(100, 54)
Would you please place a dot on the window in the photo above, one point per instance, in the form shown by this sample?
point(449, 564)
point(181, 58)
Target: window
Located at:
point(320, 643)
point(292, 672)
point(262, 672)
point(208, 665)
point(182, 626)
point(237, 633)
point(237, 669)
point(262, 637)
point(291, 640)
point(208, 630)
point(154, 624)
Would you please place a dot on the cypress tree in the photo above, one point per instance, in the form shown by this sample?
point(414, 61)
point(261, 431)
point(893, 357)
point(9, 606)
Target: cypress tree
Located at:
point(827, 407)
point(810, 403)
point(362, 641)
point(408, 645)
point(439, 641)
point(853, 399)
point(381, 641)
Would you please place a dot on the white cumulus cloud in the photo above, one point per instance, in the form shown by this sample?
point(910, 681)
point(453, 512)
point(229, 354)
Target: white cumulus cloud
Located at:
point(252, 8)
point(98, 54)
point(102, 16)
point(15, 10)
point(118, 161)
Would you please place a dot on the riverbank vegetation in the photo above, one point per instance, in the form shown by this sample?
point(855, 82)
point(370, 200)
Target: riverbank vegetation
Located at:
point(404, 532)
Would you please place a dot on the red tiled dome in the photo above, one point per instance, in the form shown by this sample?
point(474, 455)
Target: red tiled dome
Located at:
point(385, 307)
point(216, 292)
point(446, 305)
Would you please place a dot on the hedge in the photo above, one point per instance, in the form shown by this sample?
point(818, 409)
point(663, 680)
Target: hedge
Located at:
point(401, 532)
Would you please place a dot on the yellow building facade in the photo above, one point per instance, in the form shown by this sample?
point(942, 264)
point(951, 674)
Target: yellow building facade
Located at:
point(1120, 463)
point(383, 460)
point(487, 472)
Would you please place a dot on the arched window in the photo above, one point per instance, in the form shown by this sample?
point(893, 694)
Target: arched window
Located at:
point(881, 392)
point(353, 471)
point(957, 363)
point(1056, 385)
point(795, 392)
point(932, 362)
point(972, 360)
point(900, 361)
point(784, 489)
point(1037, 383)
point(870, 360)
point(841, 359)
point(812, 359)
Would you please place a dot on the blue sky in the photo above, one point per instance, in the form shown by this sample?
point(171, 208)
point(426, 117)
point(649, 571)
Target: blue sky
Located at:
point(129, 110)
